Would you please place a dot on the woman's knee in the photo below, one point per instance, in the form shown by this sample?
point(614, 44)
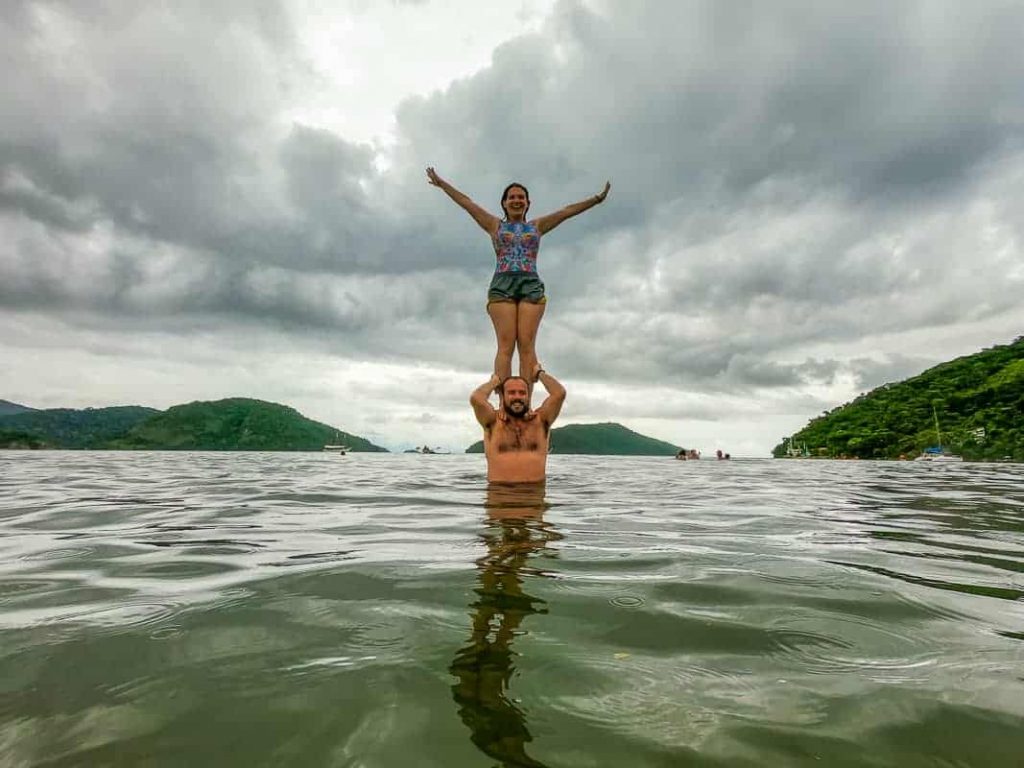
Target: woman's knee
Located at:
point(526, 347)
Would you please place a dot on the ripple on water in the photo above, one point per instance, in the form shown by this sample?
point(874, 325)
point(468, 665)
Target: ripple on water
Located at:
point(338, 555)
point(606, 578)
point(52, 593)
point(377, 636)
point(59, 553)
point(627, 601)
point(950, 585)
point(810, 573)
point(127, 614)
point(638, 694)
point(316, 667)
point(168, 632)
point(11, 589)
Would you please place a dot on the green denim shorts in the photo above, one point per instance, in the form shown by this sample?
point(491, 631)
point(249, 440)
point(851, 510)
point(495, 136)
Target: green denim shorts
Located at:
point(516, 286)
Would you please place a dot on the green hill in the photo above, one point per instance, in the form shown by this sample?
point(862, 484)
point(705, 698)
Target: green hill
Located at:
point(72, 428)
point(7, 408)
point(600, 440)
point(235, 424)
point(979, 401)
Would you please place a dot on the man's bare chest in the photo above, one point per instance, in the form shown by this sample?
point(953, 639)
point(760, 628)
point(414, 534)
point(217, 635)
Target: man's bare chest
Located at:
point(519, 437)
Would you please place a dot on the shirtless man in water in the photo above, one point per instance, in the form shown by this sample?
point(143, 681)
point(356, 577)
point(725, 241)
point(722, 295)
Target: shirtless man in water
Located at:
point(516, 438)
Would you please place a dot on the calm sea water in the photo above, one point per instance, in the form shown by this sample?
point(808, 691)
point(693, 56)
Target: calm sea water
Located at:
point(379, 610)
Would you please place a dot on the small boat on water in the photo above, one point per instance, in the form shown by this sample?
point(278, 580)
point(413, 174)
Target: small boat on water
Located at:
point(337, 446)
point(795, 451)
point(936, 452)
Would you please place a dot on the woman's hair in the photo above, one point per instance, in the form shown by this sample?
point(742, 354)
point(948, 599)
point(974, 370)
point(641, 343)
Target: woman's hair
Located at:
point(504, 196)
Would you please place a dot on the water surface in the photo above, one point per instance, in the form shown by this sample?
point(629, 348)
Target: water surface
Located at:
point(391, 610)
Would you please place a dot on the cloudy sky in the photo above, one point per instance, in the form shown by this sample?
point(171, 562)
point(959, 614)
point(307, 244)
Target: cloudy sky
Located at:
point(201, 200)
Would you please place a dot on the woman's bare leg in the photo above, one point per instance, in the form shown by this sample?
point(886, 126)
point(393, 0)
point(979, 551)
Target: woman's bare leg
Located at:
point(530, 315)
point(504, 316)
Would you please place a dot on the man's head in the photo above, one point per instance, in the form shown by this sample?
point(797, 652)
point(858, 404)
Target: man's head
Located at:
point(515, 397)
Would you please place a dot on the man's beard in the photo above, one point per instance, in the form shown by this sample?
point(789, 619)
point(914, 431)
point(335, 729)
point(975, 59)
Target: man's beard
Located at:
point(516, 414)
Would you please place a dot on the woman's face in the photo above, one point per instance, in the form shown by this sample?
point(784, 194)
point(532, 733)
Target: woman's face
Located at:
point(516, 203)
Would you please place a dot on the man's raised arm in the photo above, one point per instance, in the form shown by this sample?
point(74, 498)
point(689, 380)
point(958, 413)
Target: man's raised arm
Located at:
point(484, 411)
point(552, 404)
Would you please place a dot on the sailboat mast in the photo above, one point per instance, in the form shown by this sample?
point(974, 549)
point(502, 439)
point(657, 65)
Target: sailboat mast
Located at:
point(937, 433)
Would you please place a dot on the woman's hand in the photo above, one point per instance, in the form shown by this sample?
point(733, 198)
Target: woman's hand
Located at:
point(604, 192)
point(433, 178)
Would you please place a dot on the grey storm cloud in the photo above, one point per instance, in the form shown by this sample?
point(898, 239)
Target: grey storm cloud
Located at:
point(870, 373)
point(781, 174)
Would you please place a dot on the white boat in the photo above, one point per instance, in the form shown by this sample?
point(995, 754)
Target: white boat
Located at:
point(336, 447)
point(937, 453)
point(930, 455)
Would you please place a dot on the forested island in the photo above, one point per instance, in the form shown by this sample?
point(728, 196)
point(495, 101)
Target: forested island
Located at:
point(234, 424)
point(977, 400)
point(606, 439)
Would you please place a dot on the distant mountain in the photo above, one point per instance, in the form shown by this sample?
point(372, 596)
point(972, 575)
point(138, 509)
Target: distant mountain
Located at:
point(601, 440)
point(7, 408)
point(978, 400)
point(235, 424)
point(71, 428)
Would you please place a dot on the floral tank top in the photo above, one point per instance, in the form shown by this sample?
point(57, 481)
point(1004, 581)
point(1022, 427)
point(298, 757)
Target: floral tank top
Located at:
point(516, 244)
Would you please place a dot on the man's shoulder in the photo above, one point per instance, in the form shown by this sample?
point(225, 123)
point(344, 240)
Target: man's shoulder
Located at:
point(544, 418)
point(540, 422)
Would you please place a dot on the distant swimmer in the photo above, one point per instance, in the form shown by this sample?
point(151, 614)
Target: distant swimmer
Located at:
point(516, 439)
point(516, 298)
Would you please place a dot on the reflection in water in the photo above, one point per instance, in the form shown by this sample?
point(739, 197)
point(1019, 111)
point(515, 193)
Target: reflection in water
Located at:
point(514, 532)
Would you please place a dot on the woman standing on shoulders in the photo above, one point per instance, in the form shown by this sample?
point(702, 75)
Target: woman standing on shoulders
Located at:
point(515, 299)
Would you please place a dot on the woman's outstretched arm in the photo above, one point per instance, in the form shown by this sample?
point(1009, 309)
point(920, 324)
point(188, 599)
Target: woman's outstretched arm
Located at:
point(552, 220)
point(487, 221)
